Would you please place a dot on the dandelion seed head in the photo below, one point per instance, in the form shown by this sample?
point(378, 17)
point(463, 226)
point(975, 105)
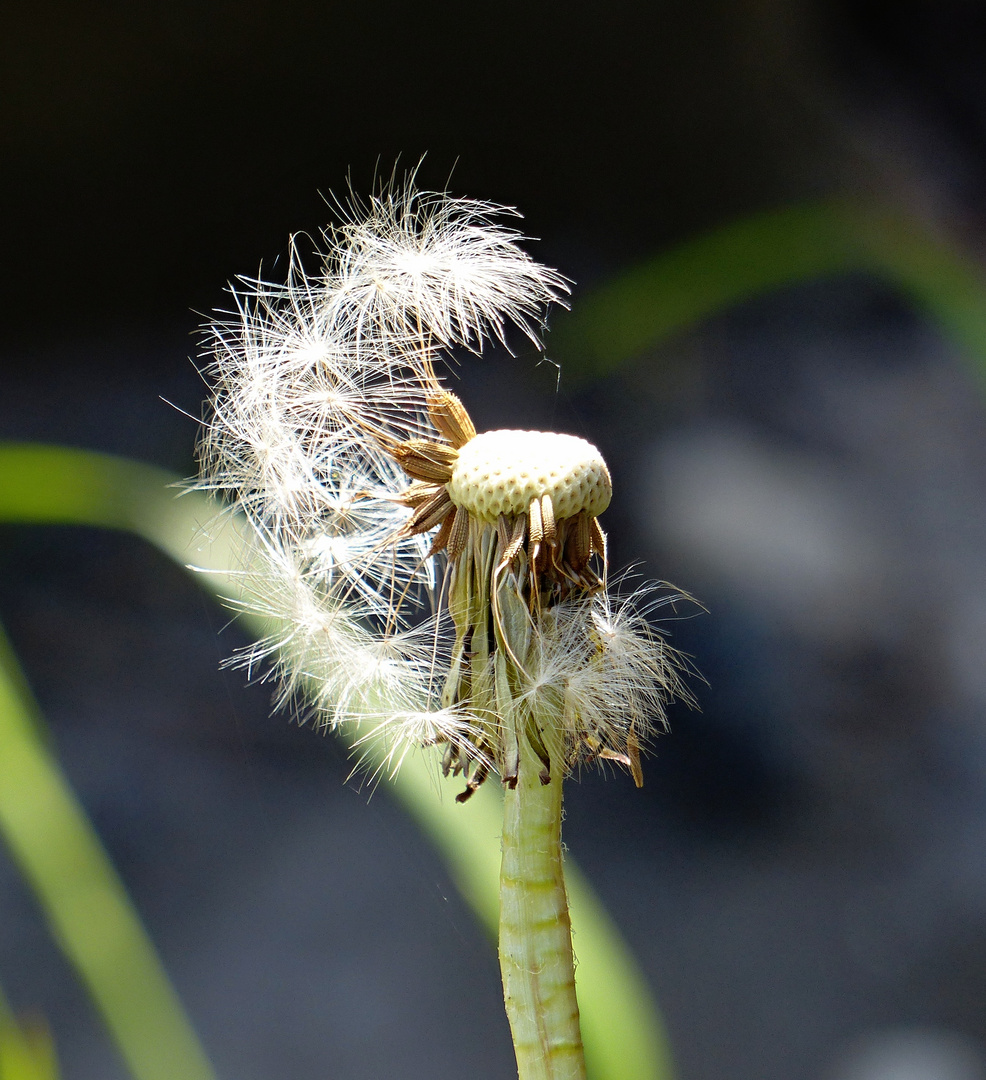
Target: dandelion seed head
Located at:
point(423, 585)
point(501, 472)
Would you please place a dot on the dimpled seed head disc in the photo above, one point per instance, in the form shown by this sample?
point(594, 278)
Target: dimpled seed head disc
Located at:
point(501, 472)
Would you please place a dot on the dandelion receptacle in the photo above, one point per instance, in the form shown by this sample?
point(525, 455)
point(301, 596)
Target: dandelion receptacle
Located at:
point(428, 586)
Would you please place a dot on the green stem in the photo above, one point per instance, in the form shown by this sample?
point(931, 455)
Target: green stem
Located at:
point(536, 958)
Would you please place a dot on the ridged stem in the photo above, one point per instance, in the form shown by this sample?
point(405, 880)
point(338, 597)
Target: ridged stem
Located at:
point(536, 958)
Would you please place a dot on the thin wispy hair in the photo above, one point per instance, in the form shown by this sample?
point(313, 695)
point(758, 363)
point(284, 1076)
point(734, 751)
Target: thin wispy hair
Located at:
point(445, 266)
point(315, 382)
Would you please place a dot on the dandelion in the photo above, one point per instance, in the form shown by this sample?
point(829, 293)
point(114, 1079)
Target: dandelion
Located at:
point(428, 585)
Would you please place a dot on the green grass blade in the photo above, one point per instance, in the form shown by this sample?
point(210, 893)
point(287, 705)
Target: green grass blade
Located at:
point(86, 905)
point(940, 279)
point(699, 278)
point(27, 1051)
point(768, 251)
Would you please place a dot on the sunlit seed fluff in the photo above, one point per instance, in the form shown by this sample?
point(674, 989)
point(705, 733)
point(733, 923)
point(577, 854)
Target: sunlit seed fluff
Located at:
point(314, 381)
point(331, 434)
point(354, 675)
point(502, 472)
point(444, 267)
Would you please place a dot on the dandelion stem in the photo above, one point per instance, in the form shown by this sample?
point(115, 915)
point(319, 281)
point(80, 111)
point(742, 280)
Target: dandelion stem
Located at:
point(338, 442)
point(536, 958)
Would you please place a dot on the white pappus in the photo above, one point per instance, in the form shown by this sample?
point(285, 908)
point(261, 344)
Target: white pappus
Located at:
point(418, 592)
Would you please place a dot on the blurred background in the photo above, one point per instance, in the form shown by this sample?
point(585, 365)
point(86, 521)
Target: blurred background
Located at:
point(804, 874)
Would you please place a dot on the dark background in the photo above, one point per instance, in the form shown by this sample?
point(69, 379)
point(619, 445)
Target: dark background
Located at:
point(803, 876)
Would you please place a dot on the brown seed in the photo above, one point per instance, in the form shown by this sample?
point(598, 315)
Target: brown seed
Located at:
point(514, 531)
point(578, 546)
point(429, 513)
point(420, 491)
point(548, 519)
point(633, 752)
point(442, 536)
point(598, 539)
point(449, 415)
point(460, 533)
point(537, 525)
point(424, 460)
